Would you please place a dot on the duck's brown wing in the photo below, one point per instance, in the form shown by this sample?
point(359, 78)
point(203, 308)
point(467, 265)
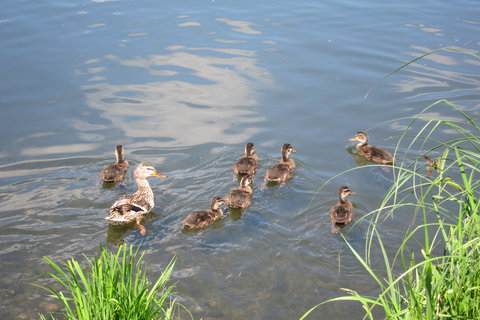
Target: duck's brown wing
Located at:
point(198, 219)
point(279, 172)
point(245, 166)
point(113, 173)
point(126, 206)
point(341, 213)
point(239, 199)
point(377, 154)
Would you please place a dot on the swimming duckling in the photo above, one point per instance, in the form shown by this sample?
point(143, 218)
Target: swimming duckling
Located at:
point(282, 170)
point(247, 165)
point(201, 219)
point(241, 197)
point(372, 153)
point(342, 213)
point(115, 172)
point(133, 207)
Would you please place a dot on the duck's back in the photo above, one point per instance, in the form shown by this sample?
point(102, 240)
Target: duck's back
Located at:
point(131, 204)
point(239, 199)
point(198, 219)
point(376, 154)
point(279, 172)
point(342, 212)
point(245, 166)
point(114, 172)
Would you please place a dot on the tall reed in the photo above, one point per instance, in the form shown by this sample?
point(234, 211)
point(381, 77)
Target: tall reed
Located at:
point(113, 286)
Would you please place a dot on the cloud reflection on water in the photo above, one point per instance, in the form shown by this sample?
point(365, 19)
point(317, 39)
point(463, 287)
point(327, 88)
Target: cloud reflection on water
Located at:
point(240, 26)
point(197, 99)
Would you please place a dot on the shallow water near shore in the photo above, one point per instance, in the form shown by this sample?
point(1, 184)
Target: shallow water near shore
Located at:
point(184, 86)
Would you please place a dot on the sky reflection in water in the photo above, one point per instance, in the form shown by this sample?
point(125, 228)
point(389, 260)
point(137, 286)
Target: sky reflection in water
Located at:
point(201, 93)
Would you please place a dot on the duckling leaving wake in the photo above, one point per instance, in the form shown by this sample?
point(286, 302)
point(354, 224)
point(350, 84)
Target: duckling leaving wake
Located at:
point(283, 170)
point(246, 165)
point(241, 197)
point(202, 219)
point(372, 153)
point(115, 172)
point(342, 213)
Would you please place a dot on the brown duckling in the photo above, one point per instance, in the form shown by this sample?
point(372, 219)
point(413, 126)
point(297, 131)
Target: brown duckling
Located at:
point(342, 213)
point(133, 207)
point(247, 165)
point(115, 172)
point(282, 170)
point(372, 153)
point(241, 197)
point(201, 219)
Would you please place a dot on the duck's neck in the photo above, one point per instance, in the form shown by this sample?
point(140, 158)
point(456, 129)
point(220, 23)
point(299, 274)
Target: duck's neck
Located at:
point(342, 198)
point(144, 186)
point(119, 157)
point(246, 189)
point(361, 145)
point(217, 211)
point(288, 161)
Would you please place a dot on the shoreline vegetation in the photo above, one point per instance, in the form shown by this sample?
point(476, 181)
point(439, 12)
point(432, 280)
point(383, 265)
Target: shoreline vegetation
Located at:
point(441, 280)
point(112, 286)
point(434, 274)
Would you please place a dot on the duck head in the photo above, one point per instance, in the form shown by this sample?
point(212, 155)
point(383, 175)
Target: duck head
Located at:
point(145, 170)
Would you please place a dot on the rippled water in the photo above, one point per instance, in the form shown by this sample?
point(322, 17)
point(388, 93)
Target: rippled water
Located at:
point(185, 85)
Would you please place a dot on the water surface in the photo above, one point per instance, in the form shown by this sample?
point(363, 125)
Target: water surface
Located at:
point(185, 85)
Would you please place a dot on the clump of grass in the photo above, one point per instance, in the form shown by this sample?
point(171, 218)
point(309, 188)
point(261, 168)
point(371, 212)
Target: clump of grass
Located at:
point(113, 286)
point(431, 286)
point(444, 193)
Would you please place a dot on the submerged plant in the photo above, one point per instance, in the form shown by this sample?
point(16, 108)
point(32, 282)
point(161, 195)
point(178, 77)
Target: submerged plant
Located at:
point(113, 286)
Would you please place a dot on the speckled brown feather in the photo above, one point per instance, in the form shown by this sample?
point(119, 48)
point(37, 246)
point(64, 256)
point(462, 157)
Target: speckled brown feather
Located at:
point(245, 166)
point(200, 219)
point(375, 154)
point(114, 172)
point(279, 172)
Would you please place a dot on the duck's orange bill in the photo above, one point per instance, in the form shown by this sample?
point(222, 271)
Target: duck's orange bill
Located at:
point(159, 175)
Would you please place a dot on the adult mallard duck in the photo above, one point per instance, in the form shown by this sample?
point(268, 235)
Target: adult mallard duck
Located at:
point(241, 197)
point(201, 219)
point(133, 207)
point(372, 153)
point(282, 170)
point(115, 172)
point(246, 165)
point(342, 213)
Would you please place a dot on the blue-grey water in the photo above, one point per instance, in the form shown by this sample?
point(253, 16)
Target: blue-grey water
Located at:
point(184, 85)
